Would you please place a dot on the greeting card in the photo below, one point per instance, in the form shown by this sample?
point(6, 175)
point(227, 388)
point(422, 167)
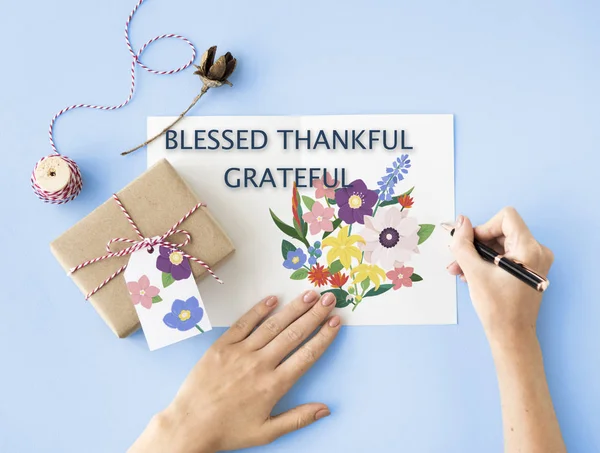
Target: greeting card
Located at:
point(342, 204)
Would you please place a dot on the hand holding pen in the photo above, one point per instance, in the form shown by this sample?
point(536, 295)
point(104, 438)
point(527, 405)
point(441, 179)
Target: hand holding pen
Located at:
point(502, 301)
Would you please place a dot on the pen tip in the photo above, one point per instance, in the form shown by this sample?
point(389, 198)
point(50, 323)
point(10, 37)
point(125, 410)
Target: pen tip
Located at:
point(447, 226)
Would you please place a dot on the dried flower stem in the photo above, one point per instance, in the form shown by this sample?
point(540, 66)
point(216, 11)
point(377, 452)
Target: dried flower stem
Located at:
point(205, 88)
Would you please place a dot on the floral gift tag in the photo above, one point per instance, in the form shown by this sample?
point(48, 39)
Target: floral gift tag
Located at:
point(165, 295)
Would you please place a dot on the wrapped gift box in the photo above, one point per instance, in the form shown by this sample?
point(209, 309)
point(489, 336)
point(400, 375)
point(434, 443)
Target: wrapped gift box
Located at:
point(155, 201)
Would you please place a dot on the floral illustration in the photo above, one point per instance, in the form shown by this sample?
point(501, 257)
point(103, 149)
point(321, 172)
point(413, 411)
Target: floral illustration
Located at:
point(173, 265)
point(362, 236)
point(343, 247)
point(391, 237)
point(406, 201)
point(143, 293)
point(355, 202)
point(401, 276)
point(295, 259)
point(319, 218)
point(184, 315)
point(325, 189)
point(318, 275)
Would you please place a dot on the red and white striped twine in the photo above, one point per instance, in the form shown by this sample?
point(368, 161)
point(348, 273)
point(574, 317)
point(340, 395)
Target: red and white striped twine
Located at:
point(75, 184)
point(144, 242)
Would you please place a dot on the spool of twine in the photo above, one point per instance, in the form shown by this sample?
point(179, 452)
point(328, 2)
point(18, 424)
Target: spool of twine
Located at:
point(56, 179)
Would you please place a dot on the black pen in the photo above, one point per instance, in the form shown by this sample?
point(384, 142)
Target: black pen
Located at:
point(519, 270)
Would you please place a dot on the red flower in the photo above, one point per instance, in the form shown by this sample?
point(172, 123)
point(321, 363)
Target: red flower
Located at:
point(318, 275)
point(296, 207)
point(338, 280)
point(406, 201)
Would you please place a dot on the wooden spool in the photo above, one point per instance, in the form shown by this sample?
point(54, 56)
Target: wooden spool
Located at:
point(52, 174)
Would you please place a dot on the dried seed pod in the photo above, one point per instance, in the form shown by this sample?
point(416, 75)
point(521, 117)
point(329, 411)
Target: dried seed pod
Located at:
point(215, 73)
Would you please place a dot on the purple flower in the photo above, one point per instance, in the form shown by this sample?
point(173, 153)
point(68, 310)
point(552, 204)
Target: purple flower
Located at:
point(173, 262)
point(184, 315)
point(295, 259)
point(355, 202)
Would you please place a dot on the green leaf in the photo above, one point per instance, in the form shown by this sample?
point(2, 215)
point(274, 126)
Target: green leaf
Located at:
point(365, 284)
point(156, 299)
point(336, 223)
point(300, 274)
point(288, 230)
point(167, 279)
point(287, 246)
point(335, 267)
point(395, 199)
point(425, 231)
point(416, 278)
point(308, 202)
point(304, 228)
point(351, 290)
point(382, 289)
point(341, 297)
point(332, 201)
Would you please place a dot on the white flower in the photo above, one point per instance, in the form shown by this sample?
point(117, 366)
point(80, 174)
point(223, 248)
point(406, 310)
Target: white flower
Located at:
point(391, 237)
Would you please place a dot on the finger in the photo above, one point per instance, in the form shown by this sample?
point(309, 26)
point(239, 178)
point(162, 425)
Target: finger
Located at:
point(246, 324)
point(506, 223)
point(274, 325)
point(295, 419)
point(463, 249)
point(454, 268)
point(298, 331)
point(300, 361)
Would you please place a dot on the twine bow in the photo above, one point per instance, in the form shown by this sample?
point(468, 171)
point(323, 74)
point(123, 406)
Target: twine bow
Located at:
point(144, 242)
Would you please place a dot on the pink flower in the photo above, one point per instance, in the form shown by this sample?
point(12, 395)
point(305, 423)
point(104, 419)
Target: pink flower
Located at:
point(400, 276)
point(323, 190)
point(141, 292)
point(319, 218)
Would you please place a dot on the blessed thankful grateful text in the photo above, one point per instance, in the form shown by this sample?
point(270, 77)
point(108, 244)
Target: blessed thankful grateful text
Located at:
point(255, 140)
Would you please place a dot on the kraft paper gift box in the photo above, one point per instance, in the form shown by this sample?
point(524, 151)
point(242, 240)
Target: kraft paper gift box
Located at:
point(156, 200)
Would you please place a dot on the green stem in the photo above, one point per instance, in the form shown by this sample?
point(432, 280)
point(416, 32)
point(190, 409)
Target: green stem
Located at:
point(376, 207)
point(199, 328)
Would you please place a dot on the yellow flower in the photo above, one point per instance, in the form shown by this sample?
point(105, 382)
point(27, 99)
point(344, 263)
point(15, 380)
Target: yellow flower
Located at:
point(370, 271)
point(343, 247)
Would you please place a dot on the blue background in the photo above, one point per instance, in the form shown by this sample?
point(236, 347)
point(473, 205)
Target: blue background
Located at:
point(521, 76)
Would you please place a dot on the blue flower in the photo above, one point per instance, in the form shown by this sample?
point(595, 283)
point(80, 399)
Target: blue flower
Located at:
point(318, 244)
point(394, 174)
point(312, 260)
point(184, 315)
point(295, 259)
point(318, 253)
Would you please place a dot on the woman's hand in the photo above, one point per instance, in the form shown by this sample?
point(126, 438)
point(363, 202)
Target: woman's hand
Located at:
point(227, 399)
point(507, 307)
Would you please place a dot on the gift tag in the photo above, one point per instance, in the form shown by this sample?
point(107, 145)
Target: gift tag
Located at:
point(165, 295)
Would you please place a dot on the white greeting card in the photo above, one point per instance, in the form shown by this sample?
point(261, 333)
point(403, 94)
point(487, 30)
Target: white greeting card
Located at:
point(165, 295)
point(346, 204)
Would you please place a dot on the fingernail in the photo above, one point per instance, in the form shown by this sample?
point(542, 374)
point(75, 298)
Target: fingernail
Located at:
point(322, 414)
point(334, 322)
point(310, 296)
point(327, 299)
point(463, 278)
point(459, 221)
point(271, 301)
